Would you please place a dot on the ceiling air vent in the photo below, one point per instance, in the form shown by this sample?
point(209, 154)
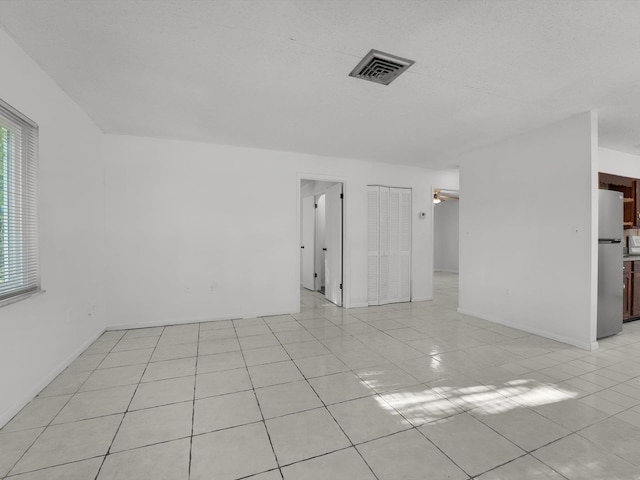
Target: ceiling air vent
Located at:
point(380, 67)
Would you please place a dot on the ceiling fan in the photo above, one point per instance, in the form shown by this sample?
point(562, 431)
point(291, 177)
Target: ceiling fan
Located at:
point(442, 195)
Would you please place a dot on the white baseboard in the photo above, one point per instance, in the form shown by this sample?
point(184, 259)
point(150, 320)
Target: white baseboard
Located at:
point(535, 331)
point(357, 305)
point(12, 411)
point(445, 270)
point(181, 321)
point(422, 299)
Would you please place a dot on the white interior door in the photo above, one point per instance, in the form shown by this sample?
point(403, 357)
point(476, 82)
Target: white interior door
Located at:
point(319, 262)
point(307, 239)
point(333, 242)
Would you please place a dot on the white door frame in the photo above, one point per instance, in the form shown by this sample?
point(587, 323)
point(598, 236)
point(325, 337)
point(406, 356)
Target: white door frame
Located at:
point(346, 273)
point(433, 236)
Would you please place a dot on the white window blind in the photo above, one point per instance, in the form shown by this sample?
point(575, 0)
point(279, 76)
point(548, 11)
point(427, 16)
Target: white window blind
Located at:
point(19, 274)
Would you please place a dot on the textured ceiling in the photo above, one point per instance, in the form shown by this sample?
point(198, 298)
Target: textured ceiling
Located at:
point(274, 73)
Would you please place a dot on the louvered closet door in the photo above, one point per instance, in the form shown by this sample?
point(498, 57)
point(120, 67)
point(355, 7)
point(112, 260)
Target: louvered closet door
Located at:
point(389, 245)
point(373, 243)
point(404, 244)
point(384, 250)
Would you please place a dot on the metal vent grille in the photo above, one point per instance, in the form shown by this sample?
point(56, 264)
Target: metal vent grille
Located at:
point(380, 67)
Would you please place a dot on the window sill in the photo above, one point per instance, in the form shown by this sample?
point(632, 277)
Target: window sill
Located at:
point(22, 296)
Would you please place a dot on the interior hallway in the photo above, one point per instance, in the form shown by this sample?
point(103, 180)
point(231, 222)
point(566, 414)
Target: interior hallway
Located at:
point(389, 392)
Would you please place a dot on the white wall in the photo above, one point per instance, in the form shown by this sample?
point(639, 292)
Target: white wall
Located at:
point(191, 216)
point(446, 236)
point(39, 336)
point(618, 163)
point(528, 226)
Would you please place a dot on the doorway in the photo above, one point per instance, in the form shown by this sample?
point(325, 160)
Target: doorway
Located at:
point(446, 239)
point(321, 238)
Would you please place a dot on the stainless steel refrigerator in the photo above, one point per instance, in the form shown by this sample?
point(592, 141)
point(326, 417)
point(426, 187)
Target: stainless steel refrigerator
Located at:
point(610, 279)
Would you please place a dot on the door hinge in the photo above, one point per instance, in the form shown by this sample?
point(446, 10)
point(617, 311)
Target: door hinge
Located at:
point(340, 286)
point(341, 196)
point(315, 205)
point(315, 275)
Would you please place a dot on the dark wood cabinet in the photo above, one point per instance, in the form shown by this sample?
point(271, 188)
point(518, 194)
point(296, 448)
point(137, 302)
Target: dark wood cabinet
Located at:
point(627, 291)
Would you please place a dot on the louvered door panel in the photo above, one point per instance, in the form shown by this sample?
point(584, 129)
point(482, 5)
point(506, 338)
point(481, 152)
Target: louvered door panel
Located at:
point(383, 269)
point(388, 245)
point(394, 245)
point(373, 244)
point(404, 249)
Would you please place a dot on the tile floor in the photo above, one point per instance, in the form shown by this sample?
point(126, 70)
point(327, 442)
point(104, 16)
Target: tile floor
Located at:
point(405, 391)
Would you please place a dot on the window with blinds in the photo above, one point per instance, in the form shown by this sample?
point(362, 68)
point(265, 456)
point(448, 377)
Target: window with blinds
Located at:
point(19, 275)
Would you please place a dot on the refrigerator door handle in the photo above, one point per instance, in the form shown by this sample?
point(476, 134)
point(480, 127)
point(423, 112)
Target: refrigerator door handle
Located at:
point(609, 240)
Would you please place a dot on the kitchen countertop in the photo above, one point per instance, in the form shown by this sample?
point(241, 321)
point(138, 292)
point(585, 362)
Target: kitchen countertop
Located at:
point(630, 258)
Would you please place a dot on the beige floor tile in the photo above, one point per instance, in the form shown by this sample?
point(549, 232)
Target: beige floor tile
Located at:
point(473, 446)
point(154, 425)
point(579, 459)
point(274, 373)
point(70, 442)
point(131, 357)
point(173, 352)
point(38, 413)
point(340, 387)
point(65, 383)
point(233, 453)
point(524, 427)
point(163, 392)
point(294, 336)
point(181, 367)
point(97, 403)
point(136, 343)
point(143, 332)
point(617, 437)
point(523, 468)
point(165, 461)
point(271, 475)
point(250, 331)
point(215, 324)
point(113, 377)
point(368, 418)
point(571, 414)
point(210, 347)
point(387, 377)
point(82, 470)
point(264, 355)
point(220, 361)
point(224, 411)
point(320, 366)
point(304, 435)
point(86, 362)
point(13, 445)
point(420, 404)
point(178, 338)
point(258, 341)
point(286, 398)
point(311, 348)
point(220, 383)
point(409, 456)
point(427, 369)
point(341, 465)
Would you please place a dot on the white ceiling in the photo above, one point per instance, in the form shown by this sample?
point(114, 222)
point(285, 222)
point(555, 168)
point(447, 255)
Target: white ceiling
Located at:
point(274, 73)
